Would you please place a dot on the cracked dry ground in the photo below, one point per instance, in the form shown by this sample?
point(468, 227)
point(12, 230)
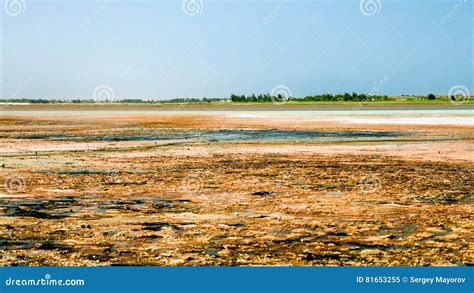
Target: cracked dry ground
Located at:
point(236, 209)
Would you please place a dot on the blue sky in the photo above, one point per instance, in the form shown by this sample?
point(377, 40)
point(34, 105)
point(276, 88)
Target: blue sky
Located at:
point(159, 49)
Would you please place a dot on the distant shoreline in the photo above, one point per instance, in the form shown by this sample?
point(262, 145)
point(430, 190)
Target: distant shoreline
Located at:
point(230, 106)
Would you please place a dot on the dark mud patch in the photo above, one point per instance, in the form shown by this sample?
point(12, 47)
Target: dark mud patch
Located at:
point(40, 208)
point(53, 246)
point(12, 244)
point(320, 257)
point(27, 244)
point(275, 135)
point(448, 198)
point(238, 224)
point(45, 136)
point(160, 225)
point(358, 246)
point(84, 172)
point(142, 205)
point(400, 231)
point(263, 193)
point(332, 186)
point(100, 257)
point(227, 135)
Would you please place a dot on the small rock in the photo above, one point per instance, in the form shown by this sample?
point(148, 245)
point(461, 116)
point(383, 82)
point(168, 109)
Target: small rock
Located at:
point(212, 252)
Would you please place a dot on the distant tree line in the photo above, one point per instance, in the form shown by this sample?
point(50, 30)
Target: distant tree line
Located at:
point(251, 98)
point(348, 97)
point(122, 101)
point(233, 98)
point(193, 100)
point(313, 98)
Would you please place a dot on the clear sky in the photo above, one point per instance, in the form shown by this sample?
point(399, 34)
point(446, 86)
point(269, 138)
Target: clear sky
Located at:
point(167, 49)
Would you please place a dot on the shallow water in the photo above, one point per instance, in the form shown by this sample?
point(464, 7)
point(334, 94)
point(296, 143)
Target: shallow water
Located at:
point(231, 135)
point(293, 135)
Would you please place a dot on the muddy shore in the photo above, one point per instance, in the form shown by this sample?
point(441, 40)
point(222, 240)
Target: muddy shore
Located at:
point(214, 189)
